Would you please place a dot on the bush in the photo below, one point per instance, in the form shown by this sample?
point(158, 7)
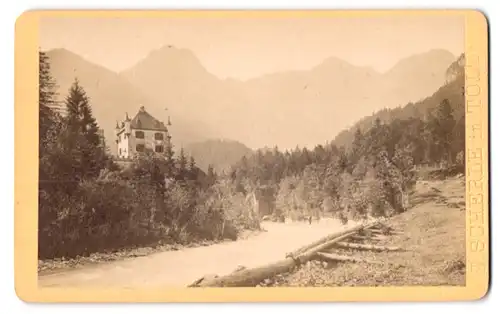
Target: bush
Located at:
point(99, 216)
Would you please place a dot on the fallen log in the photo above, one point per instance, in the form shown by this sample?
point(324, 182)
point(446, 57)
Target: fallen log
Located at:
point(361, 238)
point(370, 247)
point(254, 276)
point(251, 277)
point(379, 237)
point(330, 257)
point(350, 231)
point(381, 229)
point(197, 282)
point(378, 232)
point(397, 232)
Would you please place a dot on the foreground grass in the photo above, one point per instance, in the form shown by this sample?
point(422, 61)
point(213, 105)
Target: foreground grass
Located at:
point(433, 240)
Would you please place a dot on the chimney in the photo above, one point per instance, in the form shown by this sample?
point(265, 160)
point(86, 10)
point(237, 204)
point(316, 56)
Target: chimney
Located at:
point(142, 109)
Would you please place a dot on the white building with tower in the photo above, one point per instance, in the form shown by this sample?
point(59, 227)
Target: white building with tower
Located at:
point(141, 134)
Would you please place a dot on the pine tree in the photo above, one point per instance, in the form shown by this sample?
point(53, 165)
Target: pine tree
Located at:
point(46, 99)
point(192, 169)
point(47, 85)
point(211, 175)
point(341, 162)
point(430, 138)
point(192, 164)
point(83, 131)
point(357, 144)
point(169, 157)
point(89, 125)
point(443, 128)
point(76, 96)
point(182, 164)
point(458, 142)
point(356, 149)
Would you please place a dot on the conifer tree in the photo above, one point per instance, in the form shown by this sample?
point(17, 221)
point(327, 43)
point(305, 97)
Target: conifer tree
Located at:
point(169, 157)
point(444, 129)
point(211, 175)
point(192, 169)
point(46, 99)
point(182, 164)
point(192, 164)
point(83, 134)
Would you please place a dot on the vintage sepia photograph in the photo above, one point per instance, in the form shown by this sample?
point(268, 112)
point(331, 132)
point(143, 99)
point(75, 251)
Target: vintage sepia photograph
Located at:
point(252, 151)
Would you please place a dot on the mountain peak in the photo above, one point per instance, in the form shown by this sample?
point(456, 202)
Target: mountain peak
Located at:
point(170, 52)
point(171, 49)
point(167, 58)
point(63, 53)
point(440, 56)
point(334, 62)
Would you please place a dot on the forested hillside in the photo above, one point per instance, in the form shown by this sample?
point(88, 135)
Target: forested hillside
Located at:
point(452, 91)
point(369, 169)
point(220, 154)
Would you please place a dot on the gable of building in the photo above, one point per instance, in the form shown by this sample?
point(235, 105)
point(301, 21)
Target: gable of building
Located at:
point(143, 120)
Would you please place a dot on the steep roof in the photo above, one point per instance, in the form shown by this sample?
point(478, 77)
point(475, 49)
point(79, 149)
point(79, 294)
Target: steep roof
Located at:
point(143, 120)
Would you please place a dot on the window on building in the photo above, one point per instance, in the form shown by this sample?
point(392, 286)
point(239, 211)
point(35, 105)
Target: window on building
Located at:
point(139, 147)
point(139, 134)
point(120, 152)
point(159, 148)
point(159, 136)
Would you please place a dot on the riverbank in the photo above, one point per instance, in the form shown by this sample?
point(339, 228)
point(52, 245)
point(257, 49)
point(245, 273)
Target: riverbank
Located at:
point(433, 239)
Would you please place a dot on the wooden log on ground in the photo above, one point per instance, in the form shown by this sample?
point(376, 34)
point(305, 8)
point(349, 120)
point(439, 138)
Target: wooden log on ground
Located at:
point(378, 232)
point(370, 247)
point(251, 277)
point(197, 282)
point(375, 231)
point(331, 257)
point(385, 230)
point(254, 276)
point(361, 238)
point(368, 238)
point(357, 259)
point(350, 231)
point(379, 237)
point(397, 232)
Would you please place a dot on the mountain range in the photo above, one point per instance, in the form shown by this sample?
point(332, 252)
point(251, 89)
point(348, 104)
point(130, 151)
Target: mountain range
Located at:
point(287, 109)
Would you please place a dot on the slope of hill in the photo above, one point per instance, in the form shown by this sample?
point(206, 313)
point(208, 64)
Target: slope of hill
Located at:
point(452, 90)
point(111, 96)
point(418, 76)
point(221, 154)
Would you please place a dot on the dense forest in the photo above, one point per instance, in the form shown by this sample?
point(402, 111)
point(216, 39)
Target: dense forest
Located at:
point(89, 204)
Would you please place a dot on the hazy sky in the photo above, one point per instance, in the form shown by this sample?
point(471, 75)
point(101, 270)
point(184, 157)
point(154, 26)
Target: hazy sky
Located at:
point(248, 47)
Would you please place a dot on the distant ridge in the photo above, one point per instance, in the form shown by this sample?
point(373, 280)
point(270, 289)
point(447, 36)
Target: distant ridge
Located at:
point(283, 109)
